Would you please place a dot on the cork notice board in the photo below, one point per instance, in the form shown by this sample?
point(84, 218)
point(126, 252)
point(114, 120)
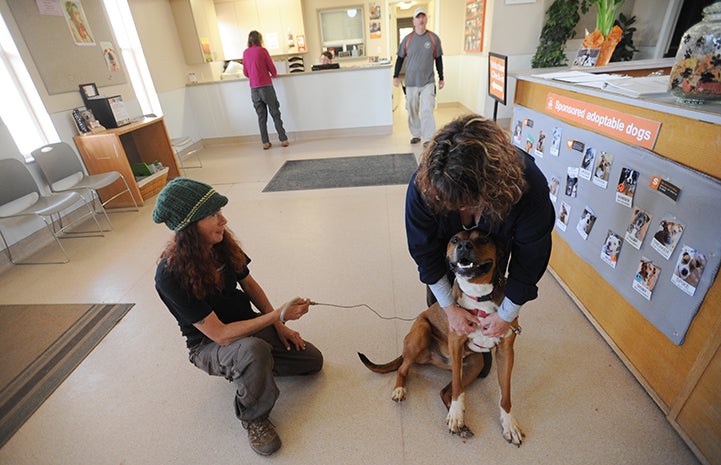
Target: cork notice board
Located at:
point(63, 64)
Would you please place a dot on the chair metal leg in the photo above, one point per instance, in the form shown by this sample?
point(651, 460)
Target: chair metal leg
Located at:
point(52, 233)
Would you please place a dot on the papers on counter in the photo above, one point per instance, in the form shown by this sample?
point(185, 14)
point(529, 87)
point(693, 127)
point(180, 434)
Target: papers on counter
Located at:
point(618, 83)
point(639, 86)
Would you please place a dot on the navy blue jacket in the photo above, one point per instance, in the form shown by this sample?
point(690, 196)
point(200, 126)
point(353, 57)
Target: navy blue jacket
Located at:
point(525, 233)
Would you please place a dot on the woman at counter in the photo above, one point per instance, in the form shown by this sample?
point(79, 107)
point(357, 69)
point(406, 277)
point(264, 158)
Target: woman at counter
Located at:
point(259, 69)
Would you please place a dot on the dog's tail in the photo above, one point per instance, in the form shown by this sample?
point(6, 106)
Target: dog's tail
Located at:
point(385, 368)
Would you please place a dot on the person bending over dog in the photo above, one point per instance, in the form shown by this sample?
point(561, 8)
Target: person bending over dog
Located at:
point(472, 177)
point(196, 278)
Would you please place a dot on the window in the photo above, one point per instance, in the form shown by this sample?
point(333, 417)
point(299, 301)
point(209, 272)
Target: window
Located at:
point(135, 65)
point(22, 110)
point(342, 31)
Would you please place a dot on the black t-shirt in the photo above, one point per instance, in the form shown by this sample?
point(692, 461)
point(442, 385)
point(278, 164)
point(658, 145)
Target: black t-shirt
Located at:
point(229, 304)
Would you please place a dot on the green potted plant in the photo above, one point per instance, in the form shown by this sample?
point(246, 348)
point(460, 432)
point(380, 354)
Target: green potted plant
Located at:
point(562, 17)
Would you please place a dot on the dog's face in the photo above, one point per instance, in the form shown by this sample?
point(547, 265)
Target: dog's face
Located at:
point(648, 274)
point(690, 267)
point(612, 245)
point(472, 255)
point(669, 232)
point(603, 167)
point(640, 218)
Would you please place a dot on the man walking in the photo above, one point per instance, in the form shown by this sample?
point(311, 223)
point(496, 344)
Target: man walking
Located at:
point(422, 48)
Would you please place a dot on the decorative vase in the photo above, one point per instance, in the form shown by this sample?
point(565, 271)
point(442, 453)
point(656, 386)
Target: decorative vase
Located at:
point(696, 73)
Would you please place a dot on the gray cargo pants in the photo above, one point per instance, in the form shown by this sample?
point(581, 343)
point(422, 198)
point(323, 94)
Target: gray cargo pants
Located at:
point(251, 363)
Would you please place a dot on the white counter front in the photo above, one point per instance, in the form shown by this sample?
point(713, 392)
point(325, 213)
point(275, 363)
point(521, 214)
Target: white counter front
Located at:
point(345, 99)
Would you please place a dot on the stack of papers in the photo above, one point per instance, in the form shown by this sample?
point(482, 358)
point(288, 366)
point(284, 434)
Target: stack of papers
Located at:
point(639, 86)
point(618, 83)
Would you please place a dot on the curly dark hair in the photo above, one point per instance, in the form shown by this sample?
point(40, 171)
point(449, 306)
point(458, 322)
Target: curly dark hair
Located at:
point(199, 272)
point(471, 163)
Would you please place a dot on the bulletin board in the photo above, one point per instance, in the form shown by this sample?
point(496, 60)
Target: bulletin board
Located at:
point(62, 60)
point(649, 226)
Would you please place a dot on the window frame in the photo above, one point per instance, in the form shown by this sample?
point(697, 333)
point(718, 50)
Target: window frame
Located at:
point(343, 48)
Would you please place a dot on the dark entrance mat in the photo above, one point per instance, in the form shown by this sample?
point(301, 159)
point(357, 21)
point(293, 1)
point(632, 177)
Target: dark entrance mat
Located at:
point(42, 345)
point(328, 173)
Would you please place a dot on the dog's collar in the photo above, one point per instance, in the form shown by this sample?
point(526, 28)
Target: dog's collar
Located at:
point(483, 298)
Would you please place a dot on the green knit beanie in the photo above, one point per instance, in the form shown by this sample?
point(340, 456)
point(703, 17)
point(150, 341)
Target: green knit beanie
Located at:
point(184, 200)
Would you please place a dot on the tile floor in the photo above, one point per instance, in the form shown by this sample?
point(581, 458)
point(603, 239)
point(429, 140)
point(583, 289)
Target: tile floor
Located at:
point(137, 400)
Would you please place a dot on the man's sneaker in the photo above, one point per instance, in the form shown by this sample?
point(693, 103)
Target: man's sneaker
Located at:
point(262, 436)
point(415, 140)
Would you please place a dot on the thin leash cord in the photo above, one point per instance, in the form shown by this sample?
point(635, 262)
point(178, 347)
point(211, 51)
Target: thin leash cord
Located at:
point(366, 306)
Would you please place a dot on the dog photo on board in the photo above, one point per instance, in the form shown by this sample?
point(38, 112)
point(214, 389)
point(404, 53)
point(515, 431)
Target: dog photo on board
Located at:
point(563, 216)
point(602, 170)
point(587, 163)
point(638, 226)
point(585, 223)
point(540, 143)
point(572, 182)
point(611, 248)
point(553, 188)
point(646, 277)
point(689, 268)
point(517, 132)
point(668, 234)
point(555, 141)
point(626, 186)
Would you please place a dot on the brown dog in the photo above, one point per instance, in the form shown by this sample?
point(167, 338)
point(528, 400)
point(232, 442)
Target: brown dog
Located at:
point(472, 257)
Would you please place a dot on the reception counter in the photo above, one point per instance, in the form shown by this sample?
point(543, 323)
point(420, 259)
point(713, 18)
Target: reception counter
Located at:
point(353, 100)
point(681, 375)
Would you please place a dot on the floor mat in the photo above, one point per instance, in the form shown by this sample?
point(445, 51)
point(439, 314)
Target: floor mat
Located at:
point(42, 345)
point(328, 173)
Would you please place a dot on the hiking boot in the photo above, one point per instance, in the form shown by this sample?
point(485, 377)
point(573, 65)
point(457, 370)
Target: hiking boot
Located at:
point(262, 436)
point(267, 145)
point(284, 143)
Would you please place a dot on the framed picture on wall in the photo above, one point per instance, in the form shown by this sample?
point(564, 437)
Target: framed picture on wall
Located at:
point(88, 91)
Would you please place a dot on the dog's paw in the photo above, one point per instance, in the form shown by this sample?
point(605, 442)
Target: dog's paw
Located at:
point(398, 394)
point(511, 431)
point(454, 419)
point(464, 432)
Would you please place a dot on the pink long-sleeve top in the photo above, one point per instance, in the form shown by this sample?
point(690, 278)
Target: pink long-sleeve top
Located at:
point(258, 67)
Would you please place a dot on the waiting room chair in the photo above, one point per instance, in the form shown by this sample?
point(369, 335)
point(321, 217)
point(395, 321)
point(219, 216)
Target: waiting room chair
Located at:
point(20, 196)
point(64, 171)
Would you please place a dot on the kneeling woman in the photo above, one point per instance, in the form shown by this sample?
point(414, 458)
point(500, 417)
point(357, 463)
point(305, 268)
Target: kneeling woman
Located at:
point(197, 279)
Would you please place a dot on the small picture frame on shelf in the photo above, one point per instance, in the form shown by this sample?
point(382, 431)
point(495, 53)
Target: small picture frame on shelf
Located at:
point(85, 121)
point(88, 91)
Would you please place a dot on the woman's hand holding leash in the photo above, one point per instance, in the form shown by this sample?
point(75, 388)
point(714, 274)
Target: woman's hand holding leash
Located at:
point(292, 310)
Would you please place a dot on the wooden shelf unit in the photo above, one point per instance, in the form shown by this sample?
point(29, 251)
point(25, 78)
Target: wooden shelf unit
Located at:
point(143, 141)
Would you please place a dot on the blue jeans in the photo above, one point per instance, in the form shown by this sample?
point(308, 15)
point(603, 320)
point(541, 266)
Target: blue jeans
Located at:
point(264, 101)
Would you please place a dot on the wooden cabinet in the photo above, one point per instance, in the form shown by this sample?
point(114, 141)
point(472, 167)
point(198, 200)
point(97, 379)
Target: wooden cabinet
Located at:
point(144, 141)
point(197, 26)
point(280, 22)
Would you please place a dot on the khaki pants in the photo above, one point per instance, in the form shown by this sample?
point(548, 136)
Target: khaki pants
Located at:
point(251, 364)
point(420, 102)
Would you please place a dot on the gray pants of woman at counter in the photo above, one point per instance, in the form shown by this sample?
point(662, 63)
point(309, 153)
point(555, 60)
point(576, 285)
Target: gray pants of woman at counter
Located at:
point(264, 101)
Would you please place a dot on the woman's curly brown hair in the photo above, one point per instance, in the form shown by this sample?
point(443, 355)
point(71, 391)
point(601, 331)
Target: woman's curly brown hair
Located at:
point(471, 162)
point(198, 272)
